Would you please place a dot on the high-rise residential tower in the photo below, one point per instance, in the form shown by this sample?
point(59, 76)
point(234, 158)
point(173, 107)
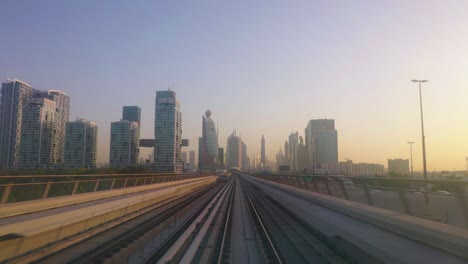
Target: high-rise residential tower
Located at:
point(262, 153)
point(208, 150)
point(81, 144)
point(132, 113)
point(167, 133)
point(14, 96)
point(321, 142)
point(124, 144)
point(38, 134)
point(62, 104)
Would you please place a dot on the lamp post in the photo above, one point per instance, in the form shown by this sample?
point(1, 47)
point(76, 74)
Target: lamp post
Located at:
point(313, 156)
point(411, 156)
point(423, 137)
point(466, 159)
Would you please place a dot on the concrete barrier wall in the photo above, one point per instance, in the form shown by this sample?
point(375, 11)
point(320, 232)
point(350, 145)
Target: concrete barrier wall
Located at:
point(33, 238)
point(7, 210)
point(445, 237)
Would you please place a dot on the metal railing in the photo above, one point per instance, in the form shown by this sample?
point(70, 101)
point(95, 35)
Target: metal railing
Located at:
point(26, 188)
point(445, 201)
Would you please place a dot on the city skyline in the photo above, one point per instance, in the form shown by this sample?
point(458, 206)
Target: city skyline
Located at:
point(374, 104)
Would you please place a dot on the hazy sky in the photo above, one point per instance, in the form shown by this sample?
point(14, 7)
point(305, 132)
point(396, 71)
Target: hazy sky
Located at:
point(262, 67)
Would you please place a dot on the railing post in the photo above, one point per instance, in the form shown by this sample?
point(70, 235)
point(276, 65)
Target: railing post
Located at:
point(304, 183)
point(464, 206)
point(97, 185)
point(368, 196)
point(125, 183)
point(308, 185)
point(112, 184)
point(136, 181)
point(6, 193)
point(46, 191)
point(404, 202)
point(343, 189)
point(314, 181)
point(328, 187)
point(77, 182)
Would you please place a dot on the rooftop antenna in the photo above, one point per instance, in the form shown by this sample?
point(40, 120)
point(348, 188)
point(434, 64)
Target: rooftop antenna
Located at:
point(171, 87)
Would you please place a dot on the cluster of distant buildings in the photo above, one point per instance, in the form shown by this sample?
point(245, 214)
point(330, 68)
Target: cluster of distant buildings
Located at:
point(34, 128)
point(317, 152)
point(35, 132)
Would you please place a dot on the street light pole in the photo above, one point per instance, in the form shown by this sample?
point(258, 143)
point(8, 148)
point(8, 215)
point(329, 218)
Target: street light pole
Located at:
point(423, 136)
point(411, 156)
point(466, 159)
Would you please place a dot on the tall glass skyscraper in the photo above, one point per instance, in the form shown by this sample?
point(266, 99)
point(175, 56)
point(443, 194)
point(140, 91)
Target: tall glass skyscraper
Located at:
point(39, 134)
point(62, 109)
point(234, 151)
point(208, 148)
point(81, 144)
point(14, 96)
point(321, 142)
point(132, 113)
point(167, 133)
point(124, 144)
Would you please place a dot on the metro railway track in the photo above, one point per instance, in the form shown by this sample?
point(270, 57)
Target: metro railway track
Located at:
point(127, 234)
point(288, 240)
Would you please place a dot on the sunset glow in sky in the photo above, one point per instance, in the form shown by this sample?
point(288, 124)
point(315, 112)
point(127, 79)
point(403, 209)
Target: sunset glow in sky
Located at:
point(262, 67)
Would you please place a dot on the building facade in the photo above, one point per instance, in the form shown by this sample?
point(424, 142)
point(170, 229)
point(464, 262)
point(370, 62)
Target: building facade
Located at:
point(353, 169)
point(321, 141)
point(293, 147)
point(398, 166)
point(245, 159)
point(193, 165)
point(262, 153)
point(62, 103)
point(167, 133)
point(38, 135)
point(208, 149)
point(132, 113)
point(234, 151)
point(124, 144)
point(14, 96)
point(81, 144)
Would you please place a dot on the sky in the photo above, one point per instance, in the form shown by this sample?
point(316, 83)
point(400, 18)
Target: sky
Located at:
point(262, 67)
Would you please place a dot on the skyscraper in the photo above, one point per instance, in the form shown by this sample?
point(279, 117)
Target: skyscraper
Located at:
point(321, 141)
point(208, 150)
point(167, 132)
point(193, 165)
point(301, 156)
point(293, 146)
point(14, 96)
point(221, 157)
point(234, 151)
point(286, 152)
point(62, 104)
point(81, 144)
point(262, 153)
point(124, 144)
point(132, 113)
point(39, 134)
point(245, 159)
